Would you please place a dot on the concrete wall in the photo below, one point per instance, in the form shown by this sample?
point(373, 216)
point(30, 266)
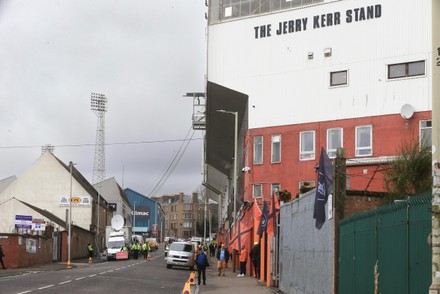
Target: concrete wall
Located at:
point(306, 253)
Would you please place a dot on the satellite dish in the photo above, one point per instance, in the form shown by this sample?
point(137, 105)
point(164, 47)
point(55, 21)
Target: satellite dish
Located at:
point(117, 222)
point(407, 111)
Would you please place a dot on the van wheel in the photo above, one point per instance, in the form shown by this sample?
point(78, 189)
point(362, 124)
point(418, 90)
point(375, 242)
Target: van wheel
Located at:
point(168, 265)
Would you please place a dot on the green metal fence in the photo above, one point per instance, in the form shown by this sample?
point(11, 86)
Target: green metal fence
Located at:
point(394, 237)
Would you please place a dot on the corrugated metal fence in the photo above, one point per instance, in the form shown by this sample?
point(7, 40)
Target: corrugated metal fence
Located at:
point(394, 237)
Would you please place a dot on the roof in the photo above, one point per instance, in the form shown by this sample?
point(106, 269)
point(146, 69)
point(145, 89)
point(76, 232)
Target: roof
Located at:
point(6, 182)
point(111, 190)
point(46, 214)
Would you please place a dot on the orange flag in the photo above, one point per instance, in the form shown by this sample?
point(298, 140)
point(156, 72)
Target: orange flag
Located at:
point(272, 223)
point(257, 217)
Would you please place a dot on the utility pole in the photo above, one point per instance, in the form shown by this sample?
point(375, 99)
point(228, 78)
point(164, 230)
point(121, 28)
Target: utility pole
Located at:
point(435, 286)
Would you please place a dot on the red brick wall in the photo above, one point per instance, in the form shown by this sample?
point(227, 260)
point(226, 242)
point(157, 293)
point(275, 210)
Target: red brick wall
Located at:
point(80, 239)
point(356, 204)
point(16, 256)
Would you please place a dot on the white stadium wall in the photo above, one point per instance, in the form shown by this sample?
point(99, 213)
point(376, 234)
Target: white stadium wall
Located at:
point(286, 87)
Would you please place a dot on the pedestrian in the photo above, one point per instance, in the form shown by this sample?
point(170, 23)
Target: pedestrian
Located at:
point(135, 249)
point(90, 251)
point(1, 257)
point(211, 249)
point(146, 249)
point(255, 257)
point(222, 259)
point(243, 260)
point(202, 263)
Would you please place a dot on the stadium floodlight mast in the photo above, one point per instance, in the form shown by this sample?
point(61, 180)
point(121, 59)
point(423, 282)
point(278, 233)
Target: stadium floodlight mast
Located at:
point(235, 113)
point(99, 107)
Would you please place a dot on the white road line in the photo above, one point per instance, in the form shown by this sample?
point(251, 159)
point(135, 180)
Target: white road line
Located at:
point(29, 291)
point(102, 273)
point(45, 287)
point(65, 282)
point(77, 279)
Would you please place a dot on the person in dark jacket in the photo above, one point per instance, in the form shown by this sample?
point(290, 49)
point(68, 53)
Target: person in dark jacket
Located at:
point(1, 257)
point(255, 257)
point(202, 262)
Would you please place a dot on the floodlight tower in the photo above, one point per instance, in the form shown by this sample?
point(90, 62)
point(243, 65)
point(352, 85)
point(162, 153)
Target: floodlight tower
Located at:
point(99, 107)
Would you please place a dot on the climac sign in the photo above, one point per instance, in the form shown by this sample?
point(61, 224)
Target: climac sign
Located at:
point(141, 212)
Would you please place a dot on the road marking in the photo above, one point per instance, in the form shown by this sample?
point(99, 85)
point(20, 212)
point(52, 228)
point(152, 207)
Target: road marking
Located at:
point(91, 276)
point(77, 279)
point(65, 282)
point(102, 273)
point(25, 292)
point(45, 287)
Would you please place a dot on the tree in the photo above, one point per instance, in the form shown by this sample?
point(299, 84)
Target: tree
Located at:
point(410, 173)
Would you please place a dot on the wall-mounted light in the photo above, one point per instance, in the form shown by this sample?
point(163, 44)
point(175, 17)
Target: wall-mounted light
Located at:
point(310, 55)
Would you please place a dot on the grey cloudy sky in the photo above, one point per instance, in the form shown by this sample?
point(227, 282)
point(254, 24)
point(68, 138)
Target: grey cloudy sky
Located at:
point(142, 54)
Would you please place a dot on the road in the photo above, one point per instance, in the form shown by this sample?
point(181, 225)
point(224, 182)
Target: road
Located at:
point(122, 276)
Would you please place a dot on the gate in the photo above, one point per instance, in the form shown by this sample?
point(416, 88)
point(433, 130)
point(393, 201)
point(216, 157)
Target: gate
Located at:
point(394, 237)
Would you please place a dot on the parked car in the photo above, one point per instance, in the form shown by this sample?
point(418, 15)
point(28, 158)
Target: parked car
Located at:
point(181, 254)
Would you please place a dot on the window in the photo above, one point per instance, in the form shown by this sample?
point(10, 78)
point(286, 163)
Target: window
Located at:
point(258, 149)
point(257, 191)
point(187, 207)
point(334, 141)
point(276, 187)
point(409, 69)
point(276, 148)
point(187, 225)
point(425, 136)
point(307, 145)
point(187, 215)
point(338, 78)
point(364, 141)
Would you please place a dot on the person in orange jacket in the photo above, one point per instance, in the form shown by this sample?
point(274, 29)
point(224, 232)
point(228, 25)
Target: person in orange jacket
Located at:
point(243, 260)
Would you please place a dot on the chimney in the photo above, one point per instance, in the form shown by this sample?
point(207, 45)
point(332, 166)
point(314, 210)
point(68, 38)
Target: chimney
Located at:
point(195, 198)
point(181, 197)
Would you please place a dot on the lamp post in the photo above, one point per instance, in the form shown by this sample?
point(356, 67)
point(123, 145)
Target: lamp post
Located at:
point(69, 238)
point(235, 113)
point(134, 217)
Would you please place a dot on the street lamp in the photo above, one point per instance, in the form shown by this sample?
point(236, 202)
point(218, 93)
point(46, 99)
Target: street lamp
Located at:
point(235, 113)
point(134, 217)
point(69, 238)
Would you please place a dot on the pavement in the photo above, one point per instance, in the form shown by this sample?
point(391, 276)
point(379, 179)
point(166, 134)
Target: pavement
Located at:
point(230, 283)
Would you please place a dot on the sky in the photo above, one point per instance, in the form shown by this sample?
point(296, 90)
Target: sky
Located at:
point(143, 55)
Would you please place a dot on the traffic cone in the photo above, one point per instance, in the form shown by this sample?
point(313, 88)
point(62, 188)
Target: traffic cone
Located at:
point(192, 278)
point(187, 288)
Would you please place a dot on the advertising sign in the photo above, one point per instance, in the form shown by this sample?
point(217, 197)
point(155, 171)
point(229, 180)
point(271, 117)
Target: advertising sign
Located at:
point(77, 201)
point(141, 212)
point(23, 221)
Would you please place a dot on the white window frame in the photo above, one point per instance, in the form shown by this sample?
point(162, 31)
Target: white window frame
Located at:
point(255, 159)
point(306, 154)
point(407, 73)
point(423, 129)
point(257, 191)
point(274, 186)
point(332, 151)
point(359, 150)
point(276, 145)
point(335, 74)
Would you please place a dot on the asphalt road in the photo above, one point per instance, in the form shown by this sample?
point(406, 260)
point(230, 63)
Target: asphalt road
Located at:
point(122, 276)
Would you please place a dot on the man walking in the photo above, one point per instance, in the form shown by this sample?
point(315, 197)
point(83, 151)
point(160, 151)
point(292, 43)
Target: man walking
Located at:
point(1, 257)
point(255, 257)
point(202, 262)
point(222, 257)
